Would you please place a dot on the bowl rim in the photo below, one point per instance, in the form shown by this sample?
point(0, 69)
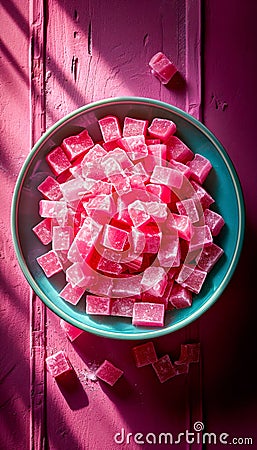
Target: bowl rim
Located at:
point(156, 332)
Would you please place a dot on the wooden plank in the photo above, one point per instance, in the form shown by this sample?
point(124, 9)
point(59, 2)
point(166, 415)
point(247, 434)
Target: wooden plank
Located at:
point(37, 308)
point(14, 307)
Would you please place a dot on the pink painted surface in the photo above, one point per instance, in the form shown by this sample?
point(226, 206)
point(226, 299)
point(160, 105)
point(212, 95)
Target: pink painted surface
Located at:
point(81, 52)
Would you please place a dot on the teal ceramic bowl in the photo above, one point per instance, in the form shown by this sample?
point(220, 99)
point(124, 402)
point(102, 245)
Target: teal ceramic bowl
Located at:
point(222, 183)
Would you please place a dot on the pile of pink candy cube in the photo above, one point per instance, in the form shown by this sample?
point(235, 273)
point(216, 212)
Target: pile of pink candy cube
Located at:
point(128, 220)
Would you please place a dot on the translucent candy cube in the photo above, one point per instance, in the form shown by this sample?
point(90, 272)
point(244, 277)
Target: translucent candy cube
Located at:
point(178, 150)
point(114, 238)
point(200, 167)
point(43, 230)
point(58, 161)
point(62, 237)
point(50, 263)
point(214, 221)
point(180, 297)
point(162, 67)
point(162, 129)
point(144, 354)
point(134, 127)
point(58, 365)
point(154, 281)
point(50, 188)
point(167, 176)
point(72, 294)
point(110, 128)
point(77, 145)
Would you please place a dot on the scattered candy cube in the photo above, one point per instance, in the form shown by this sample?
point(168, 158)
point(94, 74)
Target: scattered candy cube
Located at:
point(71, 331)
point(162, 67)
point(58, 365)
point(109, 373)
point(164, 368)
point(144, 354)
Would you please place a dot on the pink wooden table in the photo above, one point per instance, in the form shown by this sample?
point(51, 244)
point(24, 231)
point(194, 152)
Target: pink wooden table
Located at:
point(57, 55)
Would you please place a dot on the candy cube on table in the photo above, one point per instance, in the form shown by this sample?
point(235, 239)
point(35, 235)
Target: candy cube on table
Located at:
point(162, 129)
point(189, 353)
point(50, 188)
point(144, 354)
point(178, 150)
point(164, 368)
point(58, 161)
point(180, 297)
point(58, 365)
point(50, 263)
point(71, 331)
point(214, 221)
point(162, 68)
point(109, 373)
point(43, 230)
point(209, 256)
point(77, 145)
point(200, 167)
point(148, 314)
point(72, 294)
point(110, 128)
point(134, 127)
point(98, 305)
point(181, 367)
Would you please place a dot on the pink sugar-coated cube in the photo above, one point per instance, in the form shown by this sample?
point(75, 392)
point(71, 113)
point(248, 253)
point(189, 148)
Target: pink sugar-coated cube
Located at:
point(100, 208)
point(50, 188)
point(62, 237)
point(121, 157)
point(72, 294)
point(157, 210)
point(181, 367)
point(189, 353)
point(135, 146)
point(169, 250)
point(122, 307)
point(138, 213)
point(50, 263)
point(121, 183)
point(188, 207)
point(52, 209)
point(152, 141)
point(98, 305)
point(160, 192)
point(77, 145)
point(97, 151)
point(144, 354)
point(79, 275)
point(127, 286)
point(194, 281)
point(101, 188)
point(162, 68)
point(136, 182)
point(140, 170)
point(71, 331)
point(152, 239)
point(94, 170)
point(183, 168)
point(134, 127)
point(84, 240)
point(110, 128)
point(162, 129)
point(180, 297)
point(58, 365)
point(114, 238)
point(73, 189)
point(214, 221)
point(209, 256)
point(154, 281)
point(156, 156)
point(58, 161)
point(201, 237)
point(63, 258)
point(184, 273)
point(148, 314)
point(110, 267)
point(183, 225)
point(202, 195)
point(178, 151)
point(43, 230)
point(167, 176)
point(200, 167)
point(109, 373)
point(164, 368)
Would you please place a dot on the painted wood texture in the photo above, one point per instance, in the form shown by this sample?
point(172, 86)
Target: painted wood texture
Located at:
point(57, 56)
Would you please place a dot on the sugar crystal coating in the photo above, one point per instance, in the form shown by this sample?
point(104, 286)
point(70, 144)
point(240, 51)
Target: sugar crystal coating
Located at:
point(109, 373)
